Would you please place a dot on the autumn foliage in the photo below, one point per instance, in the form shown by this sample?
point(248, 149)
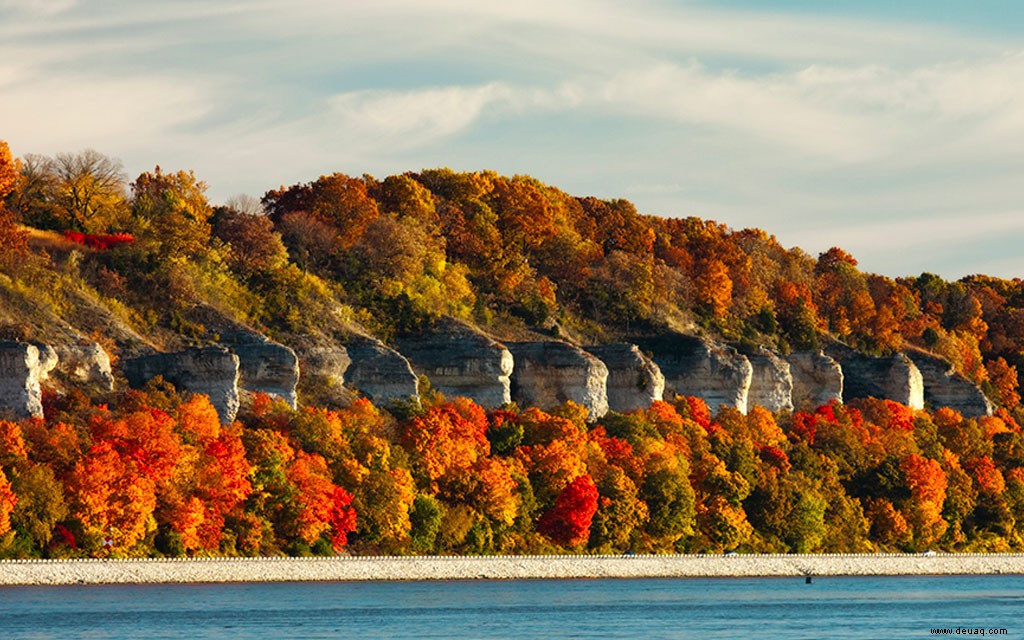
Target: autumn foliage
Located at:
point(151, 473)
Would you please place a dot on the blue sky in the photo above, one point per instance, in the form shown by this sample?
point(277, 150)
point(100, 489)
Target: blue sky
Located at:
point(892, 129)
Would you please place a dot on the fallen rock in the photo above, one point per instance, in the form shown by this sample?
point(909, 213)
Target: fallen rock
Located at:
point(634, 380)
point(817, 379)
point(943, 387)
point(20, 373)
point(213, 371)
point(460, 361)
point(547, 374)
point(771, 384)
point(693, 366)
point(379, 372)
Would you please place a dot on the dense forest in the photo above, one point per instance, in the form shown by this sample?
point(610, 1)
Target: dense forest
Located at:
point(153, 262)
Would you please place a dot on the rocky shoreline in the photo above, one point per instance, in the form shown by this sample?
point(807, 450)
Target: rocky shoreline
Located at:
point(357, 568)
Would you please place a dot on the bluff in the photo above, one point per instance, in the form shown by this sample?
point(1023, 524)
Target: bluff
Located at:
point(382, 374)
point(634, 380)
point(694, 366)
point(213, 371)
point(461, 361)
point(20, 372)
point(943, 387)
point(893, 377)
point(547, 374)
point(771, 382)
point(817, 379)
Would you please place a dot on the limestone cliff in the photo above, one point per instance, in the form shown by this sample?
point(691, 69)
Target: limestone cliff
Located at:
point(85, 363)
point(692, 366)
point(546, 374)
point(943, 387)
point(771, 384)
point(634, 380)
point(268, 367)
point(213, 371)
point(379, 372)
point(893, 377)
point(20, 372)
point(461, 361)
point(817, 379)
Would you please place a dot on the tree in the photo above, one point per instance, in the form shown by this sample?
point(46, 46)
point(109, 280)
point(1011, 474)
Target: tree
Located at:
point(82, 191)
point(13, 241)
point(110, 498)
point(568, 521)
point(9, 170)
point(172, 212)
point(255, 246)
point(8, 501)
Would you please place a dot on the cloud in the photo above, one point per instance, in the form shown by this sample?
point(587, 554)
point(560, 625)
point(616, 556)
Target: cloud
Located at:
point(412, 118)
point(37, 8)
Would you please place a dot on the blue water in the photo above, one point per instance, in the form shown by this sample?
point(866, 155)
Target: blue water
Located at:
point(905, 607)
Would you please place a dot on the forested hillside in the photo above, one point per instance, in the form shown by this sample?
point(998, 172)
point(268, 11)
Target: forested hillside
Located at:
point(150, 263)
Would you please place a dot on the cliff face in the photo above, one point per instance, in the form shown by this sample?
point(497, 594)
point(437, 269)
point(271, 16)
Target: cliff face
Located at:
point(546, 374)
point(268, 367)
point(892, 377)
point(717, 374)
point(213, 371)
point(771, 384)
point(20, 372)
point(460, 361)
point(379, 372)
point(86, 364)
point(634, 380)
point(817, 379)
point(943, 387)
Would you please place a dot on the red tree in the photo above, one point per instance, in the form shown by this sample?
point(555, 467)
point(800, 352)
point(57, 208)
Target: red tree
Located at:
point(568, 522)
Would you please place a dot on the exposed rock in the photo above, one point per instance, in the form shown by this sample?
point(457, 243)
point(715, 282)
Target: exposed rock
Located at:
point(547, 374)
point(87, 364)
point(944, 387)
point(212, 371)
point(892, 377)
point(771, 384)
point(322, 363)
point(48, 359)
point(20, 372)
point(634, 380)
point(460, 361)
point(817, 379)
point(379, 372)
point(268, 367)
point(692, 366)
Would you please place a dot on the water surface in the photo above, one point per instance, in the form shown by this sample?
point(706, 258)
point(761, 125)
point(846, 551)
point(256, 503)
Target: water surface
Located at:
point(834, 607)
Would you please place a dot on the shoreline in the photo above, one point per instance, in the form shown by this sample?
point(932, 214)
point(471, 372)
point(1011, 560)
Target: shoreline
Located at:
point(379, 568)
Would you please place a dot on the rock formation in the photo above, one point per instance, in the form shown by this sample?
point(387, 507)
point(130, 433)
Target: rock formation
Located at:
point(892, 377)
point(213, 371)
point(379, 372)
point(634, 381)
point(943, 387)
point(461, 361)
point(692, 366)
point(268, 367)
point(546, 374)
point(771, 384)
point(20, 372)
point(817, 379)
point(87, 364)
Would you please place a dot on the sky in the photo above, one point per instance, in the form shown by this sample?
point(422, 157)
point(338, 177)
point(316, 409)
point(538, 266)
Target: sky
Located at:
point(891, 128)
